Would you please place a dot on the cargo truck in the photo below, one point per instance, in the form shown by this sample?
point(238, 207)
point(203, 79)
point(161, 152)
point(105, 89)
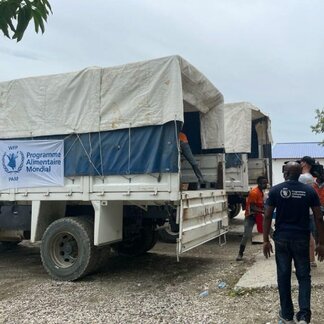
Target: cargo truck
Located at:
point(90, 162)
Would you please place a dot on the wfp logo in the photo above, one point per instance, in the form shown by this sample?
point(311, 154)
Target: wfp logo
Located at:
point(13, 162)
point(285, 193)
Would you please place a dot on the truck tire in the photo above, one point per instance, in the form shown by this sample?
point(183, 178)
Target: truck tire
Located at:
point(67, 249)
point(166, 235)
point(234, 210)
point(154, 238)
point(144, 242)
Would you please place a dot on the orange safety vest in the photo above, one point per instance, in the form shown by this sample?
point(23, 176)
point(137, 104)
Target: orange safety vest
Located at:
point(255, 197)
point(183, 137)
point(320, 192)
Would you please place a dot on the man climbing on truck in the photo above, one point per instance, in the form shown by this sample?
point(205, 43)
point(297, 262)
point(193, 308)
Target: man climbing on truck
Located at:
point(187, 153)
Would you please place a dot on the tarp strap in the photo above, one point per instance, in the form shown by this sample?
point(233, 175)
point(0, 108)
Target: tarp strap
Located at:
point(68, 151)
point(100, 150)
point(90, 145)
point(129, 147)
point(176, 131)
point(88, 155)
point(239, 157)
point(99, 120)
point(233, 160)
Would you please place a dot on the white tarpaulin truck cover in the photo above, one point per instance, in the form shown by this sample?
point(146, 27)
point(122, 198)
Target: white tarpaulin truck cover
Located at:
point(238, 119)
point(101, 99)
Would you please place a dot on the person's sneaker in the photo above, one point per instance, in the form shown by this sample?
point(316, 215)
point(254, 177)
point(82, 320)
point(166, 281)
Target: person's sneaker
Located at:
point(239, 257)
point(285, 321)
point(302, 322)
point(313, 264)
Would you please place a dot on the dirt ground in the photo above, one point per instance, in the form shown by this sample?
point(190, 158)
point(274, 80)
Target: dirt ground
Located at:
point(153, 288)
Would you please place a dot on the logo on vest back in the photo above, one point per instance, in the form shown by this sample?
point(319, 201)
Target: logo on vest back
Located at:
point(285, 193)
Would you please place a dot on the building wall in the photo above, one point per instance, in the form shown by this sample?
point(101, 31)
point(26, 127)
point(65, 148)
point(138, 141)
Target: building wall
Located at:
point(277, 176)
point(277, 164)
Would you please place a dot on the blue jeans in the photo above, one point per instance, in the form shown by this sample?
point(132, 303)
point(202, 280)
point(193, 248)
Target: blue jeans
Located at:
point(286, 251)
point(249, 222)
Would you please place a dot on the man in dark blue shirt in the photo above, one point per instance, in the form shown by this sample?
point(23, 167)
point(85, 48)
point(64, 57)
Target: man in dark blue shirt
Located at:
point(292, 200)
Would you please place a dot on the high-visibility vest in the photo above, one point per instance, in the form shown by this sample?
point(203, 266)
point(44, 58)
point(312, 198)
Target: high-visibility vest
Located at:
point(183, 137)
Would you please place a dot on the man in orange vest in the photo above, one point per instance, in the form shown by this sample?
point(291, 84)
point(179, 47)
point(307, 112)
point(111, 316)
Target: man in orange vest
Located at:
point(253, 212)
point(318, 185)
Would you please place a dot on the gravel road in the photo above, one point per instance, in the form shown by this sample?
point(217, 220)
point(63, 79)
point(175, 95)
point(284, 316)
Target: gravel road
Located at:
point(153, 288)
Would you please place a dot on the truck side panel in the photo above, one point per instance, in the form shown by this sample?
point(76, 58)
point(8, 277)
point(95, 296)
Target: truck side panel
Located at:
point(203, 217)
point(108, 226)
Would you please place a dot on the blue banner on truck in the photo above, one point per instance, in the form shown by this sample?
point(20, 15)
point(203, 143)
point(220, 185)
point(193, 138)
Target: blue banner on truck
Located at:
point(150, 149)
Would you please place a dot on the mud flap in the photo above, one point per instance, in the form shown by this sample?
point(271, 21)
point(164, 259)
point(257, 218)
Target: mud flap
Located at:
point(202, 217)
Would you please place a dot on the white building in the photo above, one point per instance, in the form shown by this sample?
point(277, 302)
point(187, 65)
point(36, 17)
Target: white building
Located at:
point(283, 152)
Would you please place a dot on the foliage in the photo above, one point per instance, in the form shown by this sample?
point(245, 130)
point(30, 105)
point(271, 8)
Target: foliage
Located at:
point(15, 16)
point(318, 128)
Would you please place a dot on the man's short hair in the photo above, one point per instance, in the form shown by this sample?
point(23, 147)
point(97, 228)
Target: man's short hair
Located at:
point(260, 178)
point(307, 159)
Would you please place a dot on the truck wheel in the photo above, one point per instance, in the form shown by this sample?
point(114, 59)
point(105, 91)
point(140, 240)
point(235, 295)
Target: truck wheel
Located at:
point(144, 242)
point(234, 210)
point(166, 235)
point(152, 239)
point(67, 249)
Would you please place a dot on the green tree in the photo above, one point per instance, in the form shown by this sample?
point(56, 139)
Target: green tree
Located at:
point(15, 16)
point(318, 128)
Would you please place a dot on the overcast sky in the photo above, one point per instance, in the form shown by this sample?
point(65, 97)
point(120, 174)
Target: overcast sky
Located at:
point(269, 53)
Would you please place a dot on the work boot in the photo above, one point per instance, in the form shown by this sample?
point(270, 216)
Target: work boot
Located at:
point(240, 254)
point(286, 321)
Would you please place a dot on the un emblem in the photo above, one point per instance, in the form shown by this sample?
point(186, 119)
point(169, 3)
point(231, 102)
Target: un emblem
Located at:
point(285, 193)
point(13, 162)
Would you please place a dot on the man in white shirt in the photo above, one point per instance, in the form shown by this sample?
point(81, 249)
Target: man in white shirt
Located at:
point(306, 163)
